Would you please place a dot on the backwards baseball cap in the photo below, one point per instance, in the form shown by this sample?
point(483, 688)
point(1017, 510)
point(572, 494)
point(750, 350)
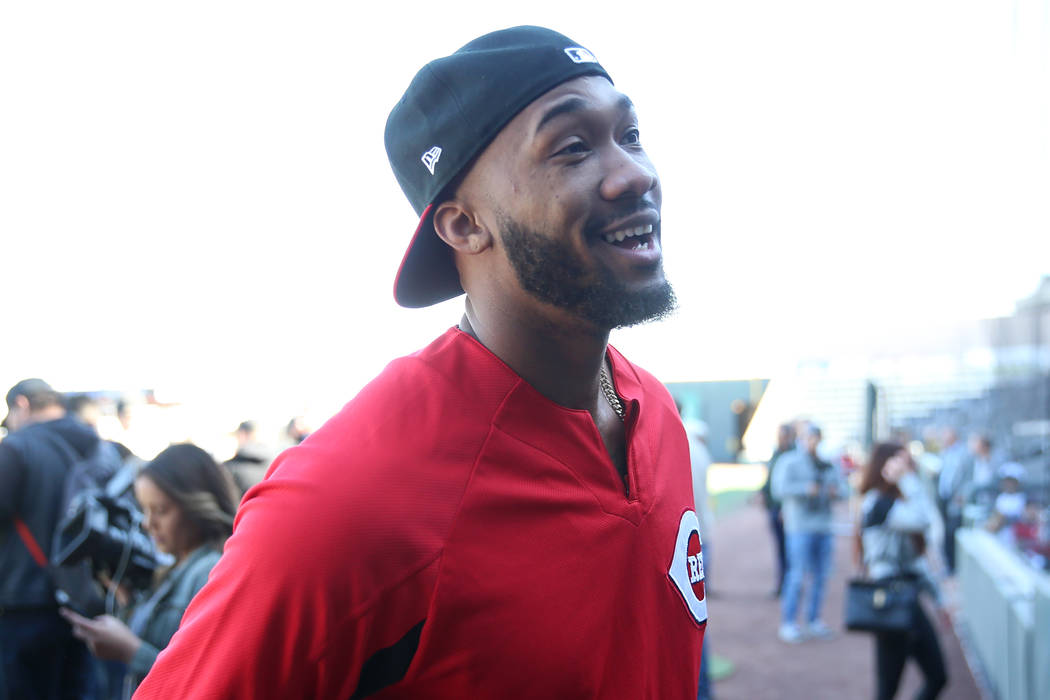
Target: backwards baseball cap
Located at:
point(451, 111)
point(28, 388)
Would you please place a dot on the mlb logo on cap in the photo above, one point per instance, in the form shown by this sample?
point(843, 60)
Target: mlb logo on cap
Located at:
point(580, 55)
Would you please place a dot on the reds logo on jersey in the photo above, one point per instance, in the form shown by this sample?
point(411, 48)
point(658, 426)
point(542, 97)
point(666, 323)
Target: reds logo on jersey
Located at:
point(687, 567)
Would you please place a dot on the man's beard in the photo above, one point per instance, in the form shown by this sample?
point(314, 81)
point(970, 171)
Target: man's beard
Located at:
point(551, 271)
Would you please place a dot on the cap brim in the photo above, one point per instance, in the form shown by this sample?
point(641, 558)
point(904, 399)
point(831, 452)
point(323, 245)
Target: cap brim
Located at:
point(428, 272)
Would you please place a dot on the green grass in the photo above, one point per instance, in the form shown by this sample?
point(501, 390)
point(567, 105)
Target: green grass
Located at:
point(727, 502)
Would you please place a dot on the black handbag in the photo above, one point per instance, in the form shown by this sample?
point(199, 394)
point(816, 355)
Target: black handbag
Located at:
point(885, 605)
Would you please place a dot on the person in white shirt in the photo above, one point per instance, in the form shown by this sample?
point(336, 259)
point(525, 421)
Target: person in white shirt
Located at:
point(700, 460)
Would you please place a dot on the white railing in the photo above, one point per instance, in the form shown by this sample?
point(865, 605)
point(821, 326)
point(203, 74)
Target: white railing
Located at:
point(1005, 607)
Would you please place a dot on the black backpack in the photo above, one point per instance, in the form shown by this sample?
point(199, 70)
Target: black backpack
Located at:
point(89, 472)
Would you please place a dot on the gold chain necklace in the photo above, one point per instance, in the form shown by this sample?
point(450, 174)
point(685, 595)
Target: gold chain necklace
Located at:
point(610, 393)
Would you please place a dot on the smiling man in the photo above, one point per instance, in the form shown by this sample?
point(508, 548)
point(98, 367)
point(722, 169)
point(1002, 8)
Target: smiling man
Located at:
point(508, 512)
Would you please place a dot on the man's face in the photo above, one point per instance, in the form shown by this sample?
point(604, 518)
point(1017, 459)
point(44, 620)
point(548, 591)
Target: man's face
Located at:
point(17, 414)
point(573, 199)
point(811, 440)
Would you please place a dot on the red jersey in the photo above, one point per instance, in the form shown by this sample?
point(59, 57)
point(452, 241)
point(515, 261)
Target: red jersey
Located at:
point(452, 533)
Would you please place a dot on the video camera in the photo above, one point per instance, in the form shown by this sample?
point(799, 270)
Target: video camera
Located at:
point(103, 528)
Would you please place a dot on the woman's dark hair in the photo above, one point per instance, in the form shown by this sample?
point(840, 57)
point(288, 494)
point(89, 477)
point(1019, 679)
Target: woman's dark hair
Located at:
point(871, 477)
point(205, 491)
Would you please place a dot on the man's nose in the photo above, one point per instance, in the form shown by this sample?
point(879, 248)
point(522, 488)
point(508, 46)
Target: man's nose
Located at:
point(628, 174)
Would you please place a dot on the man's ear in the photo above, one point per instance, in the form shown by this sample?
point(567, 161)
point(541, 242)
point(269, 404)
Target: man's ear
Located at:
point(459, 228)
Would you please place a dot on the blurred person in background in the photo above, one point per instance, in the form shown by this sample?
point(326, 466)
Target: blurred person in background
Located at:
point(785, 443)
point(40, 657)
point(981, 486)
point(955, 474)
point(806, 485)
point(1010, 504)
point(189, 503)
point(700, 462)
point(109, 456)
point(1029, 533)
point(895, 515)
point(297, 430)
point(87, 408)
point(248, 466)
point(84, 408)
point(124, 432)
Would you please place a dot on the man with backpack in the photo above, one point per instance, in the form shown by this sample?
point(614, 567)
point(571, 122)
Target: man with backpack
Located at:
point(44, 451)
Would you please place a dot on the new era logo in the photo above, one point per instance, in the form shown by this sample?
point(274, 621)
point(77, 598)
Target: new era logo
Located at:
point(431, 157)
point(580, 55)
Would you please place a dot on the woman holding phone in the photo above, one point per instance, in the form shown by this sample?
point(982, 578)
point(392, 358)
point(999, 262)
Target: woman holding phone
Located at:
point(189, 503)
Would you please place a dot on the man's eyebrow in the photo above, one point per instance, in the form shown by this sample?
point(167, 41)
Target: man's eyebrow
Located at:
point(578, 104)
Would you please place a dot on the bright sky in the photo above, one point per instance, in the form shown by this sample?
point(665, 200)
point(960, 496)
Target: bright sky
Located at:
point(194, 196)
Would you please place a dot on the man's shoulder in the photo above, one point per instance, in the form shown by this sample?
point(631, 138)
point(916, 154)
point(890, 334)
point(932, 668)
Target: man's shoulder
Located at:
point(27, 434)
point(453, 384)
point(381, 480)
point(413, 431)
point(27, 441)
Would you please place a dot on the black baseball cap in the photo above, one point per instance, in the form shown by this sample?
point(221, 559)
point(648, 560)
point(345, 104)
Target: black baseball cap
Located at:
point(450, 112)
point(28, 388)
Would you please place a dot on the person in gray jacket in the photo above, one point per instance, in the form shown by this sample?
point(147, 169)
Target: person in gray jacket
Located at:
point(806, 486)
point(952, 484)
point(895, 515)
point(189, 503)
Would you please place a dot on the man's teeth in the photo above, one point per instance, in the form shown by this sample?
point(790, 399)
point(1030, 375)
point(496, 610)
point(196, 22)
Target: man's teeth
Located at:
point(619, 236)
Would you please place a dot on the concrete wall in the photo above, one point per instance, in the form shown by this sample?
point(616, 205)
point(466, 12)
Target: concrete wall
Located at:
point(1005, 605)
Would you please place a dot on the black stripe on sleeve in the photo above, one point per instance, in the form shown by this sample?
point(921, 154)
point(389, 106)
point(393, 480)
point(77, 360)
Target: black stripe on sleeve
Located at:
point(388, 666)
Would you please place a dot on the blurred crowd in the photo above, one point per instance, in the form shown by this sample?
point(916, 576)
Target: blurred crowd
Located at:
point(906, 501)
point(978, 486)
point(102, 549)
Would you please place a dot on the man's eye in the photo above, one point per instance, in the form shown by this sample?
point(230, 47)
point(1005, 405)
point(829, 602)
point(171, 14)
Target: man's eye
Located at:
point(574, 148)
point(632, 137)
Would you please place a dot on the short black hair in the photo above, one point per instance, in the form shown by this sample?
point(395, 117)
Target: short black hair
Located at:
point(76, 402)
